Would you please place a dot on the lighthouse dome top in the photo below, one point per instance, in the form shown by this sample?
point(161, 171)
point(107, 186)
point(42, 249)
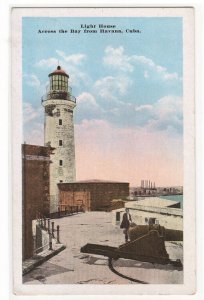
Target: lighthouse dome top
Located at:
point(59, 71)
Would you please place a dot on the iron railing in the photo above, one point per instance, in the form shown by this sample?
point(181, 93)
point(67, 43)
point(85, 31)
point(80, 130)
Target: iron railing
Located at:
point(45, 224)
point(61, 95)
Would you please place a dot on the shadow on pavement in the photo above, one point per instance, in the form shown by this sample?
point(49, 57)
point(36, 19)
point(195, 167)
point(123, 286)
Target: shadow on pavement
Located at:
point(50, 270)
point(128, 263)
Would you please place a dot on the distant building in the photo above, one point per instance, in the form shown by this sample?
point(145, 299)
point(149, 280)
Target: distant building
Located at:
point(153, 210)
point(92, 195)
point(155, 191)
point(36, 185)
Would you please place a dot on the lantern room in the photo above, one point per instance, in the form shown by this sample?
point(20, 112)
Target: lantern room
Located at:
point(59, 80)
point(58, 87)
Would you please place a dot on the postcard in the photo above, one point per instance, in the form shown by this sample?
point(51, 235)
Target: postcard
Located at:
point(103, 151)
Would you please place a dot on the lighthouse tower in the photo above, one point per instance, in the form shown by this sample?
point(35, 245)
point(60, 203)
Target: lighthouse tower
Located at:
point(59, 132)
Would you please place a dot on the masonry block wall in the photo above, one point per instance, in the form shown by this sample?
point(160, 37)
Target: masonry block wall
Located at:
point(35, 175)
point(59, 133)
point(169, 220)
point(42, 239)
point(94, 195)
point(59, 104)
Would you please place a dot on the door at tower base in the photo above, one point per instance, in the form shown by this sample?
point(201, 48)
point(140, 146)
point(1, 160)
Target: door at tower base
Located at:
point(80, 199)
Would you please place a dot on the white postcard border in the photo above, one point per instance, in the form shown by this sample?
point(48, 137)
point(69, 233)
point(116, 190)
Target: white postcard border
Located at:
point(189, 153)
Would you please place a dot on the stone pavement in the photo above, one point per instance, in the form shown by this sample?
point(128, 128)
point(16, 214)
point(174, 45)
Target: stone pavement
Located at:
point(32, 263)
point(71, 266)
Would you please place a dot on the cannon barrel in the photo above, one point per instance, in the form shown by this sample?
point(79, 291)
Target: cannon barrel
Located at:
point(168, 234)
point(147, 243)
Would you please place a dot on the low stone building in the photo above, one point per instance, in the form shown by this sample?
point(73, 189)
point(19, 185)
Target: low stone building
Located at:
point(91, 195)
point(36, 185)
point(152, 210)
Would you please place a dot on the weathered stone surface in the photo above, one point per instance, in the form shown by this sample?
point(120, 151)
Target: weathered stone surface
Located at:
point(34, 262)
point(59, 133)
point(71, 266)
point(35, 170)
point(94, 195)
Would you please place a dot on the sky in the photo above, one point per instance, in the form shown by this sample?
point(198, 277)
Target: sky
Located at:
point(129, 87)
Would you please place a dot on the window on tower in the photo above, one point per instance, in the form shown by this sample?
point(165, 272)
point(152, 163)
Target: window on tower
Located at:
point(60, 142)
point(60, 121)
point(60, 162)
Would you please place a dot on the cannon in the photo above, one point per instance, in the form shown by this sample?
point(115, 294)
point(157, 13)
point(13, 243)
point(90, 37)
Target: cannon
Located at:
point(147, 244)
point(168, 234)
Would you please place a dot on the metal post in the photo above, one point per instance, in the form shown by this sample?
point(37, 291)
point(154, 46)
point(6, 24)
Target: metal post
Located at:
point(34, 245)
point(53, 224)
point(48, 220)
point(50, 242)
point(58, 240)
point(45, 223)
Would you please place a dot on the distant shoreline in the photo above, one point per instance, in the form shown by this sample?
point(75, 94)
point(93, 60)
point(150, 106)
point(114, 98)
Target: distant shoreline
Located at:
point(159, 195)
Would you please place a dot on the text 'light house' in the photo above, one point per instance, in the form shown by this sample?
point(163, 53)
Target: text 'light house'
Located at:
point(59, 132)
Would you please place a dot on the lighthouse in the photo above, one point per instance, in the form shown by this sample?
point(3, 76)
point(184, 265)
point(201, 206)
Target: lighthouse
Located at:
point(59, 104)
